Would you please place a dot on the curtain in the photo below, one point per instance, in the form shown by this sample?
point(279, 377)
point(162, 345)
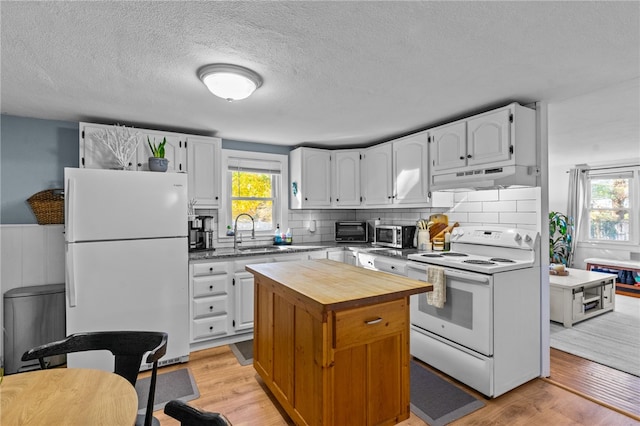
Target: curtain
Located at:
point(576, 205)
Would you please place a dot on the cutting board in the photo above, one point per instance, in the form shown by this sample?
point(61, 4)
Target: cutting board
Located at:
point(439, 218)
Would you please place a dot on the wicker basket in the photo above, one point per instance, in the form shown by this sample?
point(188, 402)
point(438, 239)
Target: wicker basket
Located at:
point(48, 206)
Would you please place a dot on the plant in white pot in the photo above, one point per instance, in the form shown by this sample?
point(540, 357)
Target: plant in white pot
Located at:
point(158, 163)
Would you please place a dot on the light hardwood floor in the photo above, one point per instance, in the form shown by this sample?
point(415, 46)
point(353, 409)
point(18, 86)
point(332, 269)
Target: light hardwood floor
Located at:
point(238, 392)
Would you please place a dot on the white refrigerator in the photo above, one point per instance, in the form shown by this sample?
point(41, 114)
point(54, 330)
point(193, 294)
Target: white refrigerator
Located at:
point(126, 258)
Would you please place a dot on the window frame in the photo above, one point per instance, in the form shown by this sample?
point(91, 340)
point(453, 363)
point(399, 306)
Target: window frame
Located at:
point(634, 208)
point(281, 200)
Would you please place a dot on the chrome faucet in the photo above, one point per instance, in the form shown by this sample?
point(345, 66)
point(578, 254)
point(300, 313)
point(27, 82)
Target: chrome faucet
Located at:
point(235, 230)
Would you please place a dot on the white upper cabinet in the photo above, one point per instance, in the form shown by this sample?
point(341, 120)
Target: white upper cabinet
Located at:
point(449, 146)
point(410, 169)
point(488, 138)
point(203, 163)
point(95, 155)
point(377, 175)
point(485, 139)
point(173, 150)
point(310, 178)
point(346, 182)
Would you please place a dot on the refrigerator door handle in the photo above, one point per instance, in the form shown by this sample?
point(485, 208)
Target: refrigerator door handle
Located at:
point(71, 276)
point(69, 219)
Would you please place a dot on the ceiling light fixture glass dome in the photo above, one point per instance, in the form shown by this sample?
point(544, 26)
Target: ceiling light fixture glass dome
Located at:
point(230, 82)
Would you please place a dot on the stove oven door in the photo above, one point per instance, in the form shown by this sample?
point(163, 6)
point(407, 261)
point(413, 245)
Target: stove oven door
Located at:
point(466, 317)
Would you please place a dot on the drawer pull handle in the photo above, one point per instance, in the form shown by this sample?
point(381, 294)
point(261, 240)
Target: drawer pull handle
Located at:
point(375, 321)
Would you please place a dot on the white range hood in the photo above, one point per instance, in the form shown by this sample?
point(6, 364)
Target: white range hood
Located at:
point(485, 178)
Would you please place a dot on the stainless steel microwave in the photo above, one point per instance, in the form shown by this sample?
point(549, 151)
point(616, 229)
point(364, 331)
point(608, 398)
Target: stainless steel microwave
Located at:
point(355, 232)
point(396, 236)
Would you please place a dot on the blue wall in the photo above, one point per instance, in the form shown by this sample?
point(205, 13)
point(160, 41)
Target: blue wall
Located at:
point(34, 153)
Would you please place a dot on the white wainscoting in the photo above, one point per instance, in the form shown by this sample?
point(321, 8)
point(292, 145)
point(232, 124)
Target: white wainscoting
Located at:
point(29, 255)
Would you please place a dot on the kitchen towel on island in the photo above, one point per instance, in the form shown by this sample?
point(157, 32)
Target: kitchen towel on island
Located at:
point(437, 297)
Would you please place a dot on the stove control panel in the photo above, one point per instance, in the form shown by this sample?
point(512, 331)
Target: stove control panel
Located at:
point(495, 236)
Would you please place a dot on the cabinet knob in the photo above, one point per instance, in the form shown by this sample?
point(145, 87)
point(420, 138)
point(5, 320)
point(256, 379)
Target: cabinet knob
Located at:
point(216, 198)
point(211, 308)
point(468, 155)
point(306, 199)
point(389, 197)
point(461, 157)
point(337, 199)
point(210, 287)
point(139, 164)
point(393, 267)
point(211, 269)
point(211, 328)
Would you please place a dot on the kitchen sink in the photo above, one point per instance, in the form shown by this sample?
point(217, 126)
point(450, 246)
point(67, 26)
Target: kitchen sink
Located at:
point(269, 249)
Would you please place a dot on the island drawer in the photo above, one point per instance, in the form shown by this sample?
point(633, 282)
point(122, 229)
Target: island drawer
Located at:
point(360, 325)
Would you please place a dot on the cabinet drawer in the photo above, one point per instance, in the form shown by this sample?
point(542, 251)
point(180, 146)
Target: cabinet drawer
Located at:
point(210, 285)
point(209, 306)
point(369, 323)
point(209, 327)
point(209, 268)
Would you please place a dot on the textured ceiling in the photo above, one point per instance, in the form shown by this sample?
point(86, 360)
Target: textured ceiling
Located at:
point(335, 73)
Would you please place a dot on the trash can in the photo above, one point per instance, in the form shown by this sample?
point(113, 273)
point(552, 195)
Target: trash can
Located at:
point(32, 316)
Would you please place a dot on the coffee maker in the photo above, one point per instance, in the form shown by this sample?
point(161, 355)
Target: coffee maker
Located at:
point(201, 233)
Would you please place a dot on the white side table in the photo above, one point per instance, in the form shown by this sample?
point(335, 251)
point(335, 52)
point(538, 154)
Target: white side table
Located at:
point(581, 295)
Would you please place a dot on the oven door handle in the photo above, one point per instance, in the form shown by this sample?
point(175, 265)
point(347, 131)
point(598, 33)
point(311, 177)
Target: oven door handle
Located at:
point(466, 277)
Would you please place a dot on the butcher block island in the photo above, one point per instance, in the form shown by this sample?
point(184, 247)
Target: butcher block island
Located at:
point(331, 341)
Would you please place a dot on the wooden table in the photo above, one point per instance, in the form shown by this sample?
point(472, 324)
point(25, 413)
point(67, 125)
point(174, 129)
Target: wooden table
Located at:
point(67, 396)
point(581, 295)
point(331, 341)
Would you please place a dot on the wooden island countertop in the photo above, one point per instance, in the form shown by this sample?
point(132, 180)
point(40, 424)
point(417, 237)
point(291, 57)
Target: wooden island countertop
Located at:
point(333, 286)
point(331, 341)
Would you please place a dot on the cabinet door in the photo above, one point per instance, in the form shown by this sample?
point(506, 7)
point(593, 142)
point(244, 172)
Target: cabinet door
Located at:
point(316, 178)
point(203, 164)
point(173, 150)
point(338, 256)
point(488, 137)
point(346, 183)
point(448, 147)
point(243, 284)
point(93, 153)
point(410, 157)
point(376, 175)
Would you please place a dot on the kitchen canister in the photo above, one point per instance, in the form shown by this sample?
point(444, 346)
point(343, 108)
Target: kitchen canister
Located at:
point(423, 239)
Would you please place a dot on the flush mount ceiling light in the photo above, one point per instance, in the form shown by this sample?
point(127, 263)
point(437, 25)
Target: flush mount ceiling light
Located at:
point(230, 82)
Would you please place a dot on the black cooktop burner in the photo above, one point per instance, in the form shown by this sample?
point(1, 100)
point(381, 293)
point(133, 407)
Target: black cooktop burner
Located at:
point(454, 254)
point(478, 262)
point(500, 259)
point(431, 255)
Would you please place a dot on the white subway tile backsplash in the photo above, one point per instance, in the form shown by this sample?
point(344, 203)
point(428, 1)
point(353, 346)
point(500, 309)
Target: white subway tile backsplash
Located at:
point(499, 206)
point(526, 206)
point(519, 218)
point(461, 218)
point(487, 195)
point(467, 207)
point(478, 218)
point(460, 196)
point(520, 193)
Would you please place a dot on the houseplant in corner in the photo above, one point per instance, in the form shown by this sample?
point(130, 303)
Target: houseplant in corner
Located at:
point(157, 163)
point(560, 234)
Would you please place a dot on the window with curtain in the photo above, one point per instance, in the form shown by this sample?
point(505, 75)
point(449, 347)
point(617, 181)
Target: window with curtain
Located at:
point(610, 206)
point(253, 185)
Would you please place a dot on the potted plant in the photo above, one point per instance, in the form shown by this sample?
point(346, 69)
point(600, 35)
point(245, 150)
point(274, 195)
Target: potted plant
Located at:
point(560, 234)
point(157, 163)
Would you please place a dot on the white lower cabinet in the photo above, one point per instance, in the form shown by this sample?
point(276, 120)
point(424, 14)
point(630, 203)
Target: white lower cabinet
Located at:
point(243, 289)
point(209, 288)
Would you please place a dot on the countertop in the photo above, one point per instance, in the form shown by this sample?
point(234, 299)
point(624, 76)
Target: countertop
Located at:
point(222, 253)
point(333, 285)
